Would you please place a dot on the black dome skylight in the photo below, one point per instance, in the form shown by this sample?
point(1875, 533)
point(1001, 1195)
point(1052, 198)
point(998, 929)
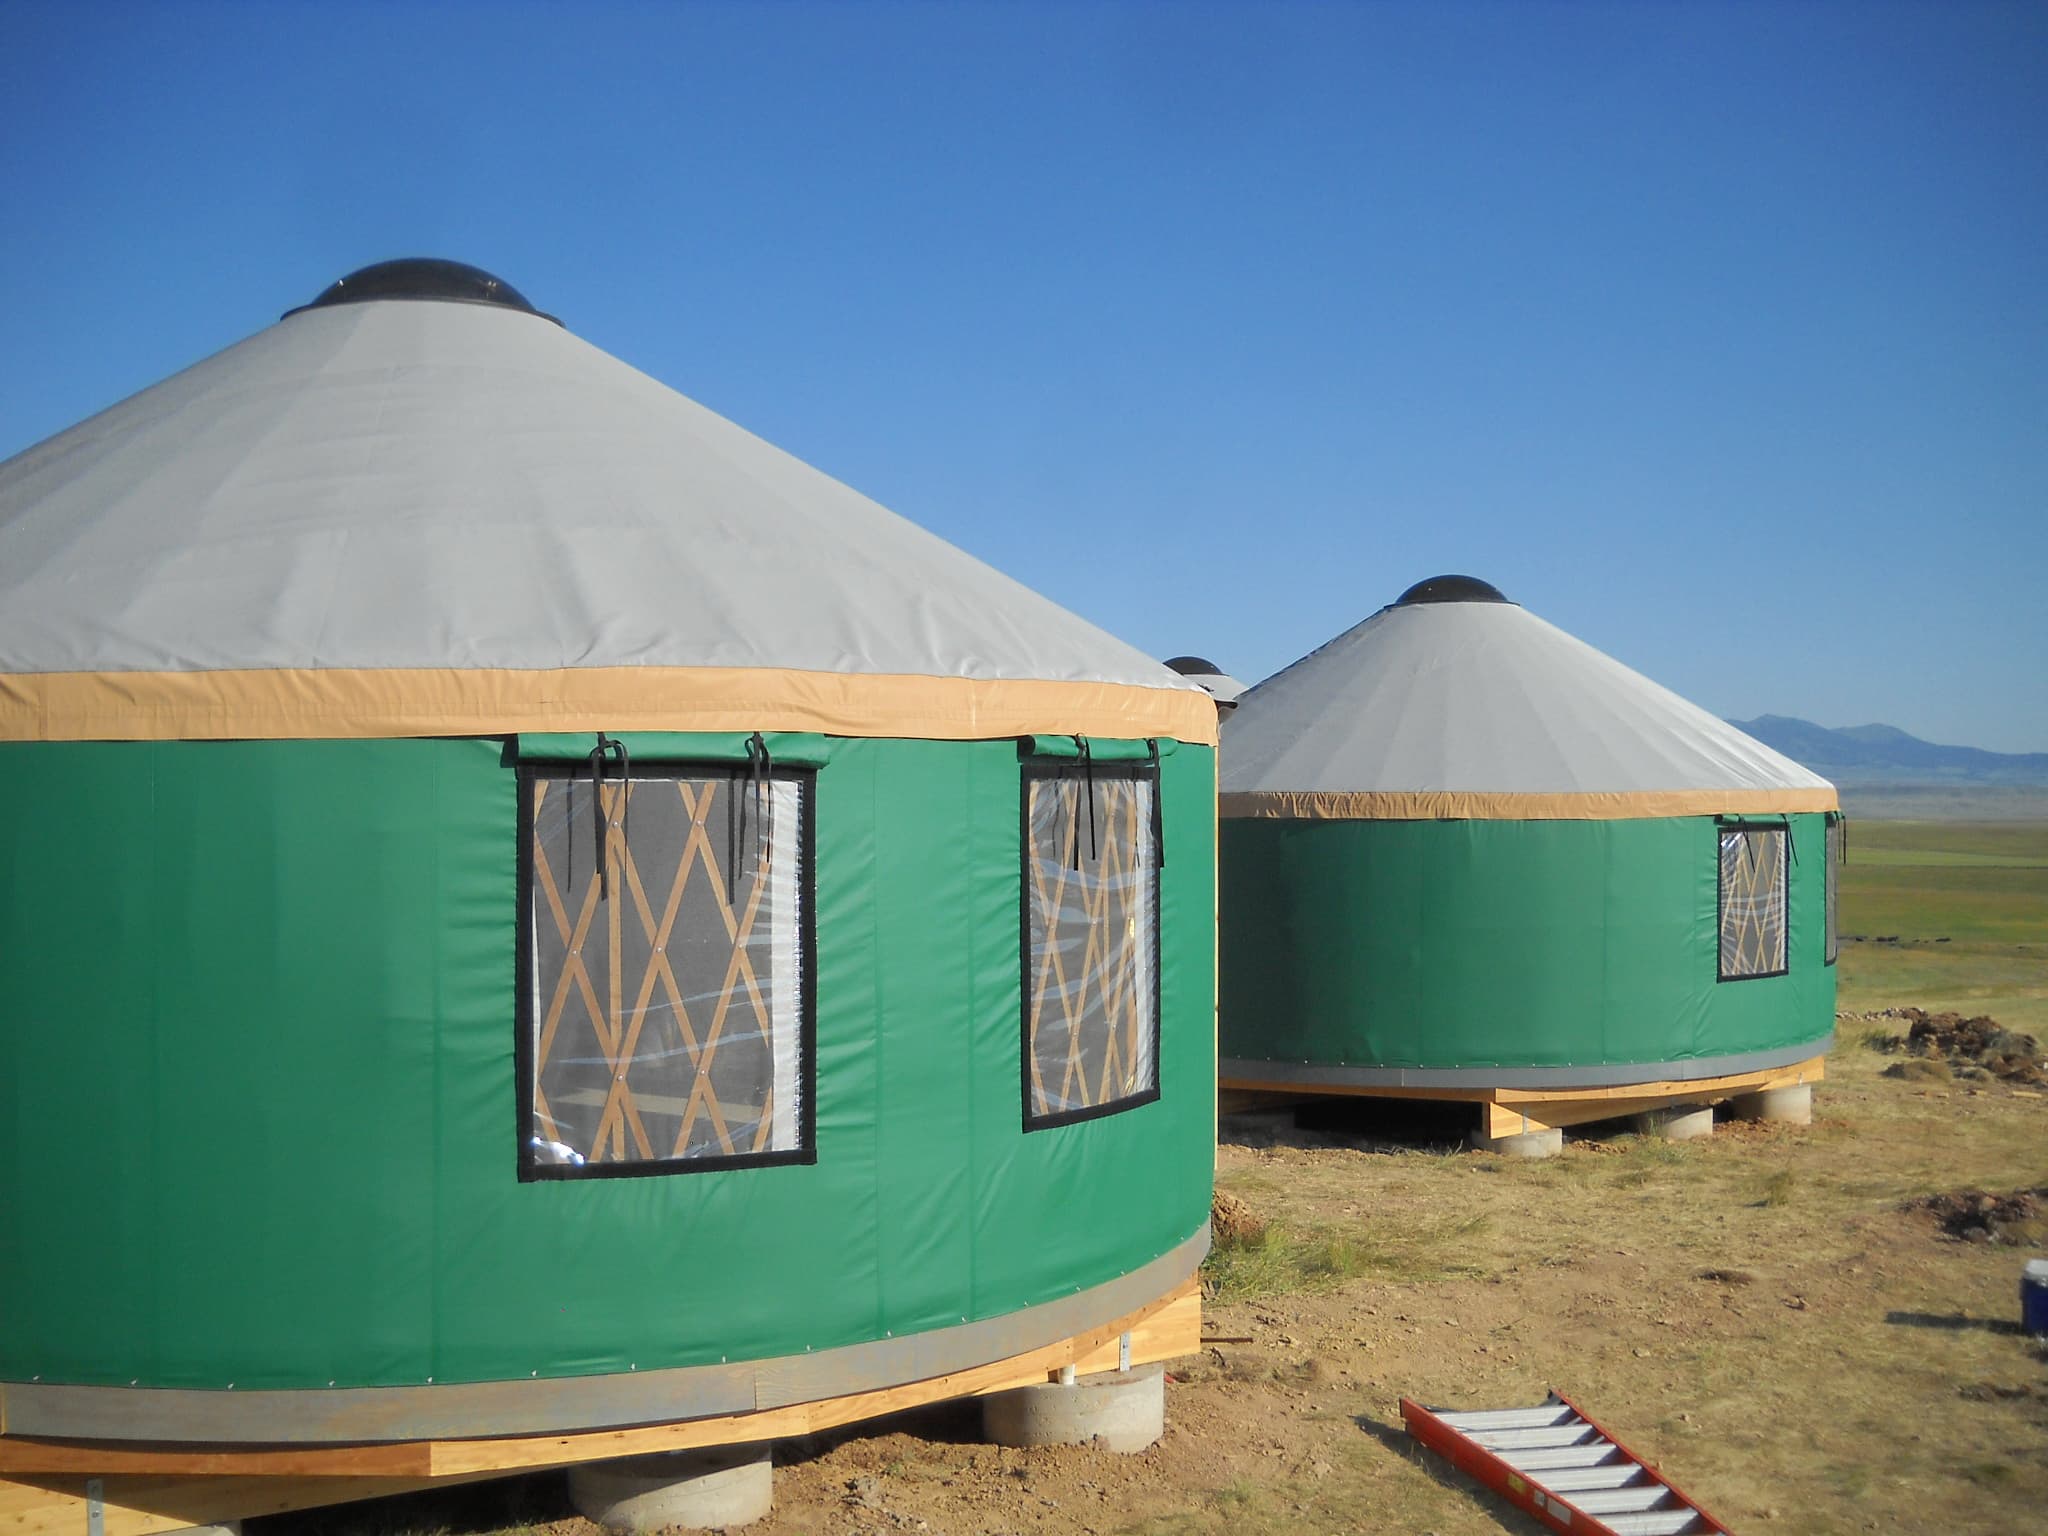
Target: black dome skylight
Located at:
point(1450, 589)
point(423, 277)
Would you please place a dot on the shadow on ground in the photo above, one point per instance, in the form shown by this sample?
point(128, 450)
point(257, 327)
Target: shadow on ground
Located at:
point(1395, 1437)
point(1362, 1124)
point(1953, 1322)
point(535, 1499)
point(543, 1497)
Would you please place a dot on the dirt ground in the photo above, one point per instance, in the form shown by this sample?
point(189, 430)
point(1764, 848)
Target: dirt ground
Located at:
point(1772, 1314)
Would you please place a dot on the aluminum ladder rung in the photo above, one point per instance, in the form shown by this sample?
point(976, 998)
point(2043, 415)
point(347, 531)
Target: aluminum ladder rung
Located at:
point(1500, 1440)
point(1510, 1418)
point(1663, 1522)
point(1612, 1474)
point(1620, 1501)
point(1598, 1453)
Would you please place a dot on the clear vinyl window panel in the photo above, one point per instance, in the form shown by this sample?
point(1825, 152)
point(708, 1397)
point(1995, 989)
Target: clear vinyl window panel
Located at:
point(666, 981)
point(1753, 891)
point(1091, 943)
point(1837, 847)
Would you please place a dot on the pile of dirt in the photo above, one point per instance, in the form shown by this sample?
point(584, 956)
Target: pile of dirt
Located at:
point(1974, 1046)
point(1232, 1223)
point(1973, 1216)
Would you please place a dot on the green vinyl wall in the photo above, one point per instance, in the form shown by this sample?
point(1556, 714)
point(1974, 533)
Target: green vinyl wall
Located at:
point(258, 1062)
point(1444, 945)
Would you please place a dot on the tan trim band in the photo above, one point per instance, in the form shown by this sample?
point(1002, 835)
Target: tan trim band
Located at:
point(302, 703)
point(1466, 805)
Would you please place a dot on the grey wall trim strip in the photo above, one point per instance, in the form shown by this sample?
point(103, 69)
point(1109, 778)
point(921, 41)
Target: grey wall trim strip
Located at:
point(1301, 1074)
point(475, 1410)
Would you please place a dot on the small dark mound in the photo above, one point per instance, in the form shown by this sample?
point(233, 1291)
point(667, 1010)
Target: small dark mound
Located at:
point(422, 277)
point(1194, 666)
point(1450, 589)
point(1921, 1070)
point(1973, 1216)
point(1981, 1043)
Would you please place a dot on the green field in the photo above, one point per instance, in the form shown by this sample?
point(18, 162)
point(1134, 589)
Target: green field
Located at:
point(1966, 902)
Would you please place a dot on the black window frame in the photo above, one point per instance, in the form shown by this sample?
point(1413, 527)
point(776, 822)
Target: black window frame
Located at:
point(1725, 825)
point(1834, 854)
point(525, 1045)
point(1035, 769)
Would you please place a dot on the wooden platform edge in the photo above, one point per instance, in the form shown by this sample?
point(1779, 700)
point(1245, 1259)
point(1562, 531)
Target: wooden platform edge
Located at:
point(145, 1490)
point(1512, 1111)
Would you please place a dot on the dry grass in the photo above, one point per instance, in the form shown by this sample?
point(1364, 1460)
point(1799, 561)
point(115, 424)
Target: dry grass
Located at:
point(1758, 1310)
point(1283, 1259)
point(1278, 1262)
point(1965, 907)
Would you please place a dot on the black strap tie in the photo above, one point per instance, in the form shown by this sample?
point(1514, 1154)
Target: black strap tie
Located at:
point(1158, 810)
point(606, 747)
point(761, 776)
point(735, 815)
point(1088, 776)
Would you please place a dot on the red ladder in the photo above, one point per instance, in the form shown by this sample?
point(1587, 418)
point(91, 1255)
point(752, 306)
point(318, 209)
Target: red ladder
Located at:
point(1563, 1468)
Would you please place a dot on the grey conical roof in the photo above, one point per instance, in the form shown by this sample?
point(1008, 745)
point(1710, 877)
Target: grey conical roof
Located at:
point(1454, 707)
point(463, 487)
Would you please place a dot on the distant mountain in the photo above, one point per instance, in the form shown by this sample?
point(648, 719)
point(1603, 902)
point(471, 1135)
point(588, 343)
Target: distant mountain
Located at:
point(1884, 754)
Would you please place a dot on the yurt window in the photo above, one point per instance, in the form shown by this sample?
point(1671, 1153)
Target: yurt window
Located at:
point(1091, 939)
point(1754, 880)
point(665, 994)
point(1838, 845)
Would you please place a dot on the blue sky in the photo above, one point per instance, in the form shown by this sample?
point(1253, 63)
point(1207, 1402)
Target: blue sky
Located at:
point(1715, 333)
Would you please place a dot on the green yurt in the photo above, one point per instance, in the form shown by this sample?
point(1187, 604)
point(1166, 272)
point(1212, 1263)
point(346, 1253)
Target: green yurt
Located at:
point(1461, 849)
point(530, 909)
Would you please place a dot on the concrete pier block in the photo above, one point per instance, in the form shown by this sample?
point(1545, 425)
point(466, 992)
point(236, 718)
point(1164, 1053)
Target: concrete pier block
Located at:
point(724, 1486)
point(1117, 1410)
point(1792, 1105)
point(1675, 1122)
point(1544, 1141)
